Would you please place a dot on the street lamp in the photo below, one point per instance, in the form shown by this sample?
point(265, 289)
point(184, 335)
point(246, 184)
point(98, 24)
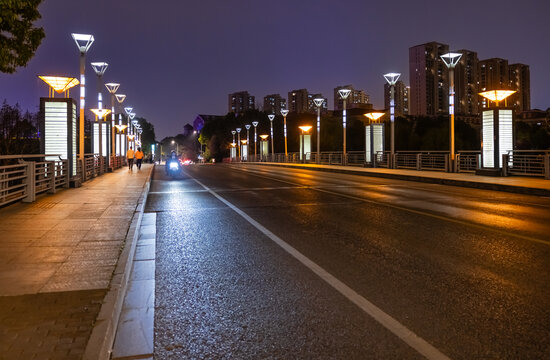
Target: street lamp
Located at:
point(318, 102)
point(233, 132)
point(271, 117)
point(344, 93)
point(112, 88)
point(239, 141)
point(247, 126)
point(100, 68)
point(121, 151)
point(305, 129)
point(128, 111)
point(451, 59)
point(284, 112)
point(392, 78)
point(374, 137)
point(255, 124)
point(83, 42)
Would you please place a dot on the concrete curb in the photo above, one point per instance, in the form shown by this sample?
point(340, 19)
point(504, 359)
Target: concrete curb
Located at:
point(103, 334)
point(426, 179)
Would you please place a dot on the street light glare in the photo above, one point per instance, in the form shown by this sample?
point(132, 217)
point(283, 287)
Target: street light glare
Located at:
point(305, 128)
point(284, 112)
point(375, 115)
point(451, 59)
point(344, 93)
point(497, 95)
point(392, 78)
point(255, 123)
point(120, 97)
point(264, 137)
point(112, 87)
point(319, 101)
point(60, 83)
point(101, 113)
point(83, 41)
point(99, 67)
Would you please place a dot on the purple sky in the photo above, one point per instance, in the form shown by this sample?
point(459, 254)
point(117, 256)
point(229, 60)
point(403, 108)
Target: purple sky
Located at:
point(176, 59)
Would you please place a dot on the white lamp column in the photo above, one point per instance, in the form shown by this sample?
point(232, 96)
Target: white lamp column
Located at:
point(318, 102)
point(451, 59)
point(344, 93)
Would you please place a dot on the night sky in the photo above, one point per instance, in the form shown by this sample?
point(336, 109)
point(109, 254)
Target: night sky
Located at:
point(179, 58)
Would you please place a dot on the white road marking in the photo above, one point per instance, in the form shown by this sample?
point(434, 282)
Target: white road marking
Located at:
point(398, 329)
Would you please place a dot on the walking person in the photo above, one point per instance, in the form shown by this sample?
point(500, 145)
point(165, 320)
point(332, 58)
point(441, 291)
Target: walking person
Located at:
point(139, 157)
point(130, 158)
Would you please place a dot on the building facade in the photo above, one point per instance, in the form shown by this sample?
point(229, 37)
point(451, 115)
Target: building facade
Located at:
point(466, 84)
point(357, 99)
point(401, 98)
point(241, 101)
point(428, 79)
point(298, 101)
point(274, 103)
point(311, 104)
point(520, 80)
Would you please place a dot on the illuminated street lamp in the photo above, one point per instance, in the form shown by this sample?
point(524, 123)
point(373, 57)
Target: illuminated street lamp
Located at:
point(100, 68)
point(284, 112)
point(239, 141)
point(374, 136)
point(247, 126)
point(344, 93)
point(121, 144)
point(244, 150)
point(255, 124)
point(112, 88)
point(83, 42)
point(392, 78)
point(451, 59)
point(128, 111)
point(233, 132)
point(318, 102)
point(305, 129)
point(100, 114)
point(271, 117)
point(497, 129)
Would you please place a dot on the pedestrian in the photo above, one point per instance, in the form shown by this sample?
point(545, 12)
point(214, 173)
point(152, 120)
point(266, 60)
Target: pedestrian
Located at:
point(130, 158)
point(139, 158)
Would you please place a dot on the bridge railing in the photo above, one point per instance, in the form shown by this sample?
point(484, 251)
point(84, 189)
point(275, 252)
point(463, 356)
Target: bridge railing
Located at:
point(526, 163)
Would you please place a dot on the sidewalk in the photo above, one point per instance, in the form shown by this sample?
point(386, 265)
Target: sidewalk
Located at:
point(58, 261)
point(514, 184)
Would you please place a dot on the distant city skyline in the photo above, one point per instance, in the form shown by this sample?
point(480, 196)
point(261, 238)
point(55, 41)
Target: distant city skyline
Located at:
point(180, 60)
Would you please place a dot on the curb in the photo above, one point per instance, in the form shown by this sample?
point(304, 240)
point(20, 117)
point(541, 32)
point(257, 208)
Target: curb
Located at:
point(103, 333)
point(431, 180)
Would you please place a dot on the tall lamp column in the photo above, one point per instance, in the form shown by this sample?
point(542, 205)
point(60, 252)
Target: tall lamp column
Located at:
point(112, 88)
point(451, 59)
point(271, 117)
point(284, 112)
point(83, 42)
point(344, 93)
point(318, 102)
point(247, 126)
point(255, 124)
point(239, 142)
point(392, 78)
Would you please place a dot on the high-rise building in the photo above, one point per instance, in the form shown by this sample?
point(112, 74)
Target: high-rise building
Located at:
point(493, 74)
point(274, 103)
point(298, 101)
point(401, 97)
point(428, 79)
point(240, 102)
point(466, 84)
point(357, 99)
point(520, 80)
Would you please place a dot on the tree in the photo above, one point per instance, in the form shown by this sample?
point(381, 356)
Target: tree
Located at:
point(148, 136)
point(18, 38)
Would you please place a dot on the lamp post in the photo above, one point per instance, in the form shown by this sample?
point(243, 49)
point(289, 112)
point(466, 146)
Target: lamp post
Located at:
point(83, 42)
point(100, 68)
point(271, 117)
point(451, 59)
point(133, 127)
point(344, 93)
point(318, 102)
point(263, 148)
point(239, 141)
point(284, 112)
point(255, 124)
point(247, 126)
point(112, 88)
point(121, 151)
point(305, 129)
point(392, 78)
point(233, 132)
point(128, 111)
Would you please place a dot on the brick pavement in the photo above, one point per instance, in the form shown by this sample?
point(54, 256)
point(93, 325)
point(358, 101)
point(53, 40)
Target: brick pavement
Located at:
point(57, 257)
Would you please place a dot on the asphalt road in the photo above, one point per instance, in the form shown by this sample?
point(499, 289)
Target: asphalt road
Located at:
point(257, 262)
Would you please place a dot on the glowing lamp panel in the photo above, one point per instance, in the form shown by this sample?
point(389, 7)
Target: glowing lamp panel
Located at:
point(505, 133)
point(263, 147)
point(106, 135)
point(96, 138)
point(56, 132)
point(74, 140)
point(377, 138)
point(233, 153)
point(368, 144)
point(244, 152)
point(487, 133)
point(307, 146)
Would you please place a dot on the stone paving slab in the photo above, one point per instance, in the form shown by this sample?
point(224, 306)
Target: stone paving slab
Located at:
point(57, 260)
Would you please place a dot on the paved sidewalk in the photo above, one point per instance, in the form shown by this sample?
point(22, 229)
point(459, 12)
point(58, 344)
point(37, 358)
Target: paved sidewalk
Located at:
point(57, 259)
point(515, 184)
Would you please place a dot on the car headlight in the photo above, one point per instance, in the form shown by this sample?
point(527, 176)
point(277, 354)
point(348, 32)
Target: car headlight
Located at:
point(173, 165)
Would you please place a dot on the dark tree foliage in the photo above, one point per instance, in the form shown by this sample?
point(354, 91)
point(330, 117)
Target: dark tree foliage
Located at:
point(148, 137)
point(18, 38)
point(18, 132)
point(531, 136)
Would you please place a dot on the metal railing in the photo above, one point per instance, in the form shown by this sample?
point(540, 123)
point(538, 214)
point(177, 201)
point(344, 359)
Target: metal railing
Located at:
point(467, 161)
point(526, 163)
point(22, 177)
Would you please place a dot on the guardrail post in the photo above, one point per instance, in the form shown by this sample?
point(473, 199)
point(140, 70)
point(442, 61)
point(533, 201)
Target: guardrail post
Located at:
point(393, 161)
point(456, 163)
point(547, 166)
point(418, 161)
point(50, 171)
point(66, 173)
point(505, 159)
point(30, 183)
